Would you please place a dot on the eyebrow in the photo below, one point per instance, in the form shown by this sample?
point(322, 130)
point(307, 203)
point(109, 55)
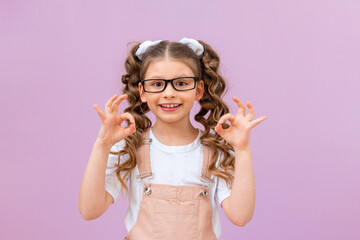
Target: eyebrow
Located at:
point(156, 76)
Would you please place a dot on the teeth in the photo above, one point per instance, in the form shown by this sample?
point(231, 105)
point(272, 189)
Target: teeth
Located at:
point(171, 105)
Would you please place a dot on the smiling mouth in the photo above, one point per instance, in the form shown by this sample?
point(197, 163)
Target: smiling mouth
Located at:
point(170, 105)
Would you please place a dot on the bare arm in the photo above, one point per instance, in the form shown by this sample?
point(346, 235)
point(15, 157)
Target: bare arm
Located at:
point(93, 199)
point(240, 206)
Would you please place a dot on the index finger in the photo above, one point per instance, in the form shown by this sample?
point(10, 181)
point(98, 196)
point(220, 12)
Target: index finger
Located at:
point(115, 105)
point(241, 106)
point(109, 103)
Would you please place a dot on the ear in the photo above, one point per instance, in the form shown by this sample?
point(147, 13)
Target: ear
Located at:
point(142, 93)
point(199, 90)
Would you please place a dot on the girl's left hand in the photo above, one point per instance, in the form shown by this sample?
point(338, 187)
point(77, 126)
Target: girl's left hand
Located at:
point(238, 134)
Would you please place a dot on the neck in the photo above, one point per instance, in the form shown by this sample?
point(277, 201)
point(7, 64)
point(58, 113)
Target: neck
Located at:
point(175, 134)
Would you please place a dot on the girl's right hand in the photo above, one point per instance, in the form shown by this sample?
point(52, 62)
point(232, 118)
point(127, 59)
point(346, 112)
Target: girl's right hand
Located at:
point(111, 130)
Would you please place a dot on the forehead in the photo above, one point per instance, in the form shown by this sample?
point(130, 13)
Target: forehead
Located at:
point(168, 69)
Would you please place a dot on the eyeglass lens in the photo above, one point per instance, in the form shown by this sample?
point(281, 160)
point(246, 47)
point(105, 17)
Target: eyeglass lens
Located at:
point(158, 85)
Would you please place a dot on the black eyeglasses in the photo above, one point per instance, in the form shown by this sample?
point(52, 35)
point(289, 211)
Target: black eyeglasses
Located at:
point(179, 84)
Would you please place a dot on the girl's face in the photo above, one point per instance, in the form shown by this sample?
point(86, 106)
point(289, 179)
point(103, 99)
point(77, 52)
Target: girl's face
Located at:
point(169, 69)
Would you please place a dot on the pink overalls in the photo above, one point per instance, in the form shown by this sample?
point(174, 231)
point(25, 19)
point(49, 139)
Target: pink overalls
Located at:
point(169, 212)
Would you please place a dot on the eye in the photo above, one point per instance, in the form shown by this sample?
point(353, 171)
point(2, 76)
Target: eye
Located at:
point(181, 83)
point(156, 83)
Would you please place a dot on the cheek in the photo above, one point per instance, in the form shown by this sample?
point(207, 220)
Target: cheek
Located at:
point(152, 100)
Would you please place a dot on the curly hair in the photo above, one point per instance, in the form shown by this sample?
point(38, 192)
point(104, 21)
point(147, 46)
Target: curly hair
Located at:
point(205, 68)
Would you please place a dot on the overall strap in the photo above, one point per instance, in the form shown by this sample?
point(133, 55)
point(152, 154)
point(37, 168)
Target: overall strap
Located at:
point(144, 163)
point(143, 156)
point(205, 174)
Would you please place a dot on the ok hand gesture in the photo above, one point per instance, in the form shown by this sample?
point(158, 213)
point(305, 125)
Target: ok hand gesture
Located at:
point(111, 130)
point(238, 134)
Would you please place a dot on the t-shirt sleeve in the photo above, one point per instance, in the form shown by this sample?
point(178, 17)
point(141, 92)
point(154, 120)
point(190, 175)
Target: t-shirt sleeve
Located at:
point(112, 183)
point(222, 191)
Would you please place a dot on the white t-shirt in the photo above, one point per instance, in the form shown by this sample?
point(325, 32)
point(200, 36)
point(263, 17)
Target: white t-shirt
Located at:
point(174, 165)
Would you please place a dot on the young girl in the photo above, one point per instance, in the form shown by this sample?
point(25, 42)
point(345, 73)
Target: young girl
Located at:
point(176, 171)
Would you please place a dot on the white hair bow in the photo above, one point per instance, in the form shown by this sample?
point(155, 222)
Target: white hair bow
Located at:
point(142, 48)
point(197, 47)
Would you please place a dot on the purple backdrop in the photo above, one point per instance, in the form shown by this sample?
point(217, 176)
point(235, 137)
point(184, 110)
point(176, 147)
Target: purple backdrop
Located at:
point(296, 61)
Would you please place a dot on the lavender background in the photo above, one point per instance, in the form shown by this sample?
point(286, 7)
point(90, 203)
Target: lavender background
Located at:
point(296, 61)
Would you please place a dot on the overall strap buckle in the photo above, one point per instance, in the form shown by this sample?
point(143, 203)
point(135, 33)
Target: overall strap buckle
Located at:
point(206, 181)
point(147, 140)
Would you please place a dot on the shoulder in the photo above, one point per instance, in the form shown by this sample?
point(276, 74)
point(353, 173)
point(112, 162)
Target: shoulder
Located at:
point(118, 146)
point(222, 155)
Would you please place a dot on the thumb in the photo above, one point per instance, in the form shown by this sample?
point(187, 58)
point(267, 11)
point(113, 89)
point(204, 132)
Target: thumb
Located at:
point(130, 130)
point(218, 128)
point(99, 112)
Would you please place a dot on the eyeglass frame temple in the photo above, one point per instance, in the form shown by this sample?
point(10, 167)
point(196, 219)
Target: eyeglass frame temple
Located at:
point(166, 82)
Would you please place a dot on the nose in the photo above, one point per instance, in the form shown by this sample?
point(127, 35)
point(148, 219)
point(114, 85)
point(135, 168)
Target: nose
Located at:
point(169, 90)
